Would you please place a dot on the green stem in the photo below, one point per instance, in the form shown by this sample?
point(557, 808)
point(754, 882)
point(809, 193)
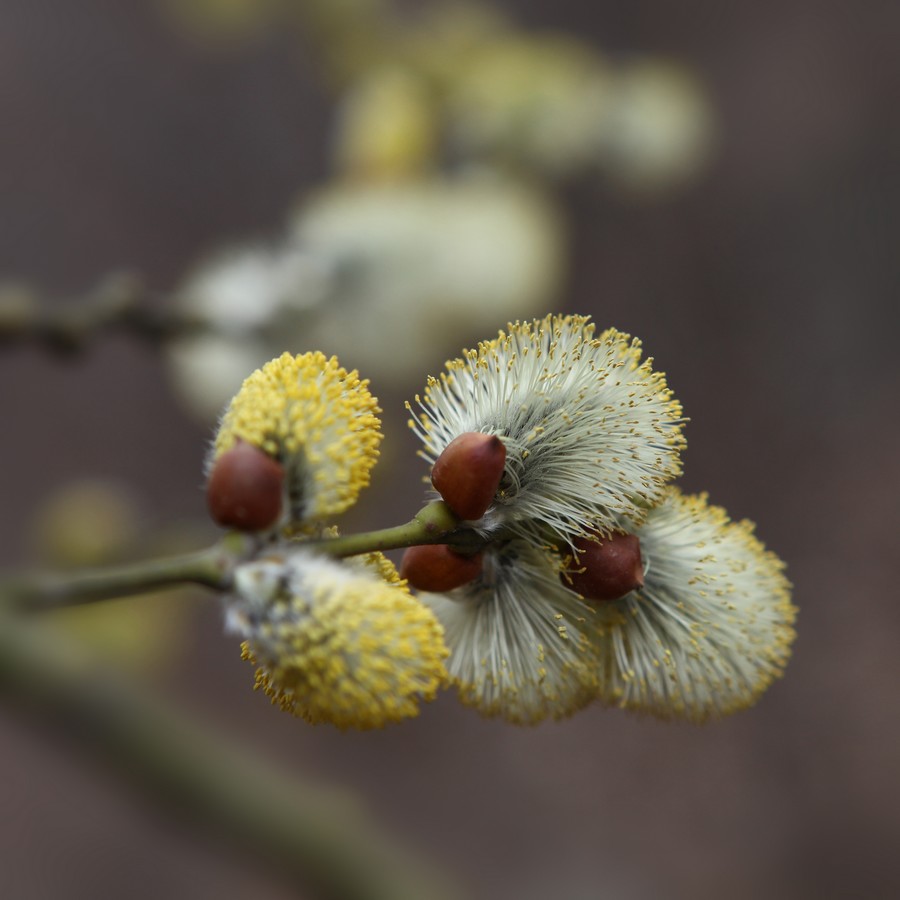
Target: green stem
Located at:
point(211, 568)
point(433, 524)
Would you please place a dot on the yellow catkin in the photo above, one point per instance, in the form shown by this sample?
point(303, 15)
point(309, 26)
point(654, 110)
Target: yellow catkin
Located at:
point(351, 647)
point(318, 420)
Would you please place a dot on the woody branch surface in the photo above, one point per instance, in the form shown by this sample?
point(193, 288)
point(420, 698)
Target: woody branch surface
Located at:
point(120, 302)
point(214, 567)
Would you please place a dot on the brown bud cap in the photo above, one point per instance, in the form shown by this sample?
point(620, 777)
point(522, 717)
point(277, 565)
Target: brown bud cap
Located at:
point(607, 568)
point(437, 568)
point(468, 472)
point(244, 488)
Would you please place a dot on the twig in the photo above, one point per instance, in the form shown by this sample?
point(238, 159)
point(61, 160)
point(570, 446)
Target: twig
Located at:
point(212, 568)
point(317, 838)
point(435, 523)
point(121, 302)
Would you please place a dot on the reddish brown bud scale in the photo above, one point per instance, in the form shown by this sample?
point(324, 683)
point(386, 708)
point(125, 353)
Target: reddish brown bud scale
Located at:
point(437, 568)
point(244, 489)
point(468, 472)
point(607, 568)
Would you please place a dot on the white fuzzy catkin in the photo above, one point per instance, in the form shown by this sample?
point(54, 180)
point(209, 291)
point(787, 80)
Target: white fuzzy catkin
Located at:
point(712, 626)
point(517, 637)
point(592, 433)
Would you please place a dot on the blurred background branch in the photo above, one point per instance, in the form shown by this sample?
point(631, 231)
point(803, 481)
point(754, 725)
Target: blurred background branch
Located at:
point(121, 302)
point(318, 839)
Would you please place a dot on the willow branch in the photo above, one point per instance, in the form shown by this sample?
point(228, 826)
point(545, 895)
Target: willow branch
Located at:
point(121, 302)
point(211, 568)
point(433, 524)
point(319, 839)
point(214, 567)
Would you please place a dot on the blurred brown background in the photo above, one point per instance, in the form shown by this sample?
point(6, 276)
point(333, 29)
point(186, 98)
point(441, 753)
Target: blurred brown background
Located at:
point(766, 291)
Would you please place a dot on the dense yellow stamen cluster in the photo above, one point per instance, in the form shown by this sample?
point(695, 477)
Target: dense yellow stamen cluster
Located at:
point(318, 420)
point(347, 644)
point(712, 626)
